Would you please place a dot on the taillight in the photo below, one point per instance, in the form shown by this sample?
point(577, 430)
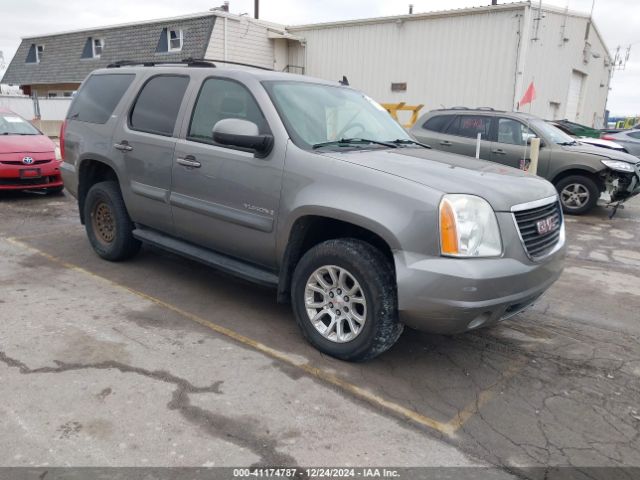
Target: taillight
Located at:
point(608, 137)
point(63, 127)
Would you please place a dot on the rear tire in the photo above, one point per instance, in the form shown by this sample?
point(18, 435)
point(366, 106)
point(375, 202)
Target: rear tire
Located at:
point(368, 320)
point(579, 194)
point(107, 223)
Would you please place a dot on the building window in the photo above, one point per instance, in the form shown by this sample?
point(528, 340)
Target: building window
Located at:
point(174, 38)
point(35, 53)
point(98, 45)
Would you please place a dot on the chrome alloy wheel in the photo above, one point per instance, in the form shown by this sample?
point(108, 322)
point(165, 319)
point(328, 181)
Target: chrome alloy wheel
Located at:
point(575, 195)
point(335, 303)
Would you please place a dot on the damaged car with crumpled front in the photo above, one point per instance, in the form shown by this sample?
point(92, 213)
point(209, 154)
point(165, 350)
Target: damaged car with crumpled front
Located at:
point(580, 172)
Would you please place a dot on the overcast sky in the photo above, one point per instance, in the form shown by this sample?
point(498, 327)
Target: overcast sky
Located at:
point(618, 20)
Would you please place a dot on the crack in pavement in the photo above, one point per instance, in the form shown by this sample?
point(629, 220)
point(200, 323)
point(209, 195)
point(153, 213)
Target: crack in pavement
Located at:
point(241, 432)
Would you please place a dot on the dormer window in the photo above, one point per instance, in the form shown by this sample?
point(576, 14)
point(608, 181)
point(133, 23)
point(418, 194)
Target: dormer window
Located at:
point(35, 53)
point(174, 38)
point(97, 46)
point(170, 41)
point(92, 48)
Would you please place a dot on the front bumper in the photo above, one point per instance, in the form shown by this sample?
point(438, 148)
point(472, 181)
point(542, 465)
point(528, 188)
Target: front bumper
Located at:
point(452, 295)
point(622, 186)
point(28, 177)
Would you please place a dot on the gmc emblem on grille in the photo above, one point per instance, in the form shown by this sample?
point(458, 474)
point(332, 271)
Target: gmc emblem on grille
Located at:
point(547, 225)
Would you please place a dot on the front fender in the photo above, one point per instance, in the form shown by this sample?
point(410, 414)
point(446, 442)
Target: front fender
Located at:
point(403, 213)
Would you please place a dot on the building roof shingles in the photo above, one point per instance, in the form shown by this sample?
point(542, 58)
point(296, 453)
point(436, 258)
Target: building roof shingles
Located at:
point(61, 62)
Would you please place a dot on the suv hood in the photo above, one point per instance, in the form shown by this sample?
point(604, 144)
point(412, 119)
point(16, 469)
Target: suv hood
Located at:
point(501, 186)
point(601, 152)
point(26, 144)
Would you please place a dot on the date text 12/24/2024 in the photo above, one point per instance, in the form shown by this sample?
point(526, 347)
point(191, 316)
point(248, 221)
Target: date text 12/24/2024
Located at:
point(318, 472)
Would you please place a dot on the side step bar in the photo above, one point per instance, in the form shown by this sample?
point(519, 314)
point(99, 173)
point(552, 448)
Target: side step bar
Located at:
point(219, 261)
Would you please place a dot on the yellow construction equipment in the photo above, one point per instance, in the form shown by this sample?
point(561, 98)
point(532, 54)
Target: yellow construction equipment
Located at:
point(394, 108)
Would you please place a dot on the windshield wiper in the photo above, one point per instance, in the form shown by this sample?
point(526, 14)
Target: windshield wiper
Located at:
point(406, 141)
point(565, 144)
point(352, 141)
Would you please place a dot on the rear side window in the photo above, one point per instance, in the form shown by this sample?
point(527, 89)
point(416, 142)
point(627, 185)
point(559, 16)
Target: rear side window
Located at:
point(438, 123)
point(513, 132)
point(634, 134)
point(156, 108)
point(470, 125)
point(98, 97)
point(219, 99)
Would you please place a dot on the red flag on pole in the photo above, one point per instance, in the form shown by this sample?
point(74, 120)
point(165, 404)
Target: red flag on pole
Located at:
point(529, 95)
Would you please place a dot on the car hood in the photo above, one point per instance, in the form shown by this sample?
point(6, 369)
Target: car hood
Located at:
point(26, 144)
point(600, 143)
point(501, 186)
point(601, 152)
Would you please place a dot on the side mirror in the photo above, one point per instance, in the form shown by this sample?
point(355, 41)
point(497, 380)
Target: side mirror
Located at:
point(242, 134)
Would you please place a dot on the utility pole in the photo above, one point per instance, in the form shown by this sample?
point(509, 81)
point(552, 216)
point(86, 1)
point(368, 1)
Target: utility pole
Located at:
point(256, 9)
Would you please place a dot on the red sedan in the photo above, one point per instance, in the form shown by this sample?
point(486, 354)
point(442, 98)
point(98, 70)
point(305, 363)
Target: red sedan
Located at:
point(27, 156)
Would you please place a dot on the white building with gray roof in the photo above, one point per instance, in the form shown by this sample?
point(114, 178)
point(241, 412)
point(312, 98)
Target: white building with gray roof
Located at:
point(473, 57)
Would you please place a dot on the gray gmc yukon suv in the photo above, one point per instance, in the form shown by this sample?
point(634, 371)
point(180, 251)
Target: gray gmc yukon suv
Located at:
point(310, 187)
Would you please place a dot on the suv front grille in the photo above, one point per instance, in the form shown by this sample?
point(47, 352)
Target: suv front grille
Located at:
point(540, 228)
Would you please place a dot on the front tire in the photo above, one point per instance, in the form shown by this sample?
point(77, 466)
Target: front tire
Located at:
point(578, 194)
point(344, 299)
point(107, 223)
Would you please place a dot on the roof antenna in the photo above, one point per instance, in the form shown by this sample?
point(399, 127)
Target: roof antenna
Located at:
point(344, 81)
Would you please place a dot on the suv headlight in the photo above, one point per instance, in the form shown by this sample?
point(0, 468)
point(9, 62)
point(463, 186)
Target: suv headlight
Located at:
point(618, 165)
point(468, 227)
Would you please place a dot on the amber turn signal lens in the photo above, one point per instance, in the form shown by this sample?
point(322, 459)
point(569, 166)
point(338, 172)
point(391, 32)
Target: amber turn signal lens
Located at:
point(448, 232)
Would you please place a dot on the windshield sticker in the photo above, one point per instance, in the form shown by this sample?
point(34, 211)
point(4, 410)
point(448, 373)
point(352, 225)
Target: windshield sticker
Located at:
point(14, 119)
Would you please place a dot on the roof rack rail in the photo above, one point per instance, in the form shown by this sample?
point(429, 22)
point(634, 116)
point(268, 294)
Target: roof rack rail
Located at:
point(237, 63)
point(190, 62)
point(477, 109)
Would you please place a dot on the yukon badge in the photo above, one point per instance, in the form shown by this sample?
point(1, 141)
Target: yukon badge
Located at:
point(254, 208)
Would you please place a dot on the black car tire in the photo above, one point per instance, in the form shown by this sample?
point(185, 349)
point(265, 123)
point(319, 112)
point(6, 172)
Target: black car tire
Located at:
point(107, 223)
point(376, 278)
point(586, 183)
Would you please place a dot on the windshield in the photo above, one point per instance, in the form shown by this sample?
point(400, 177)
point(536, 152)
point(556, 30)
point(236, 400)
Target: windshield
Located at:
point(553, 134)
point(14, 125)
point(315, 114)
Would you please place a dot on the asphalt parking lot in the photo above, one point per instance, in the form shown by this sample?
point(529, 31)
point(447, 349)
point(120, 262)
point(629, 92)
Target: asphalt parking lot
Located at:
point(161, 361)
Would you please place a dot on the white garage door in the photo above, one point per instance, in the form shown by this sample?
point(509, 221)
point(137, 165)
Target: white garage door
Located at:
point(575, 96)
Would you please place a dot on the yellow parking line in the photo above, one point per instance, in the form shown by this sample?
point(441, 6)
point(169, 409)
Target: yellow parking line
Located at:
point(39, 235)
point(483, 397)
point(447, 428)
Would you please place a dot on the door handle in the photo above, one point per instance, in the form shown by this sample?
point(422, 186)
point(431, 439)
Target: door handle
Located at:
point(499, 151)
point(445, 143)
point(123, 146)
point(188, 161)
